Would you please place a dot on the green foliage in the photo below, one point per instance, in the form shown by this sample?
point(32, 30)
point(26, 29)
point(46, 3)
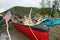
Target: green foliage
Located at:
point(35, 11)
point(57, 14)
point(45, 11)
point(23, 10)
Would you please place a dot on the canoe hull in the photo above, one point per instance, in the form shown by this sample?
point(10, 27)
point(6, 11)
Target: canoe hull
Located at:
point(26, 31)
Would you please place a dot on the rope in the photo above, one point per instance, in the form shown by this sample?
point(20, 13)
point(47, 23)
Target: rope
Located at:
point(30, 16)
point(33, 33)
point(8, 31)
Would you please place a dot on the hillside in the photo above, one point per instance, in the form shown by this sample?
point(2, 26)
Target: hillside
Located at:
point(25, 10)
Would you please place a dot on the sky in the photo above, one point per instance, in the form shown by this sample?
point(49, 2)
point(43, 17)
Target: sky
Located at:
point(7, 4)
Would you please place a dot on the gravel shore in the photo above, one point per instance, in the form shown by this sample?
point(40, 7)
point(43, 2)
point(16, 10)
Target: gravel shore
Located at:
point(54, 33)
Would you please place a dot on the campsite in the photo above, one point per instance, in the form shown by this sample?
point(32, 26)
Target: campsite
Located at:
point(19, 22)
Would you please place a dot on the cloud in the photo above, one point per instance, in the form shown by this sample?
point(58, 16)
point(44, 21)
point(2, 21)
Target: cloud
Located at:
point(6, 4)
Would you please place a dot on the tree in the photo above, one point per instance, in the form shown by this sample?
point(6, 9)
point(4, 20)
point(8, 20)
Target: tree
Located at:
point(42, 3)
point(48, 3)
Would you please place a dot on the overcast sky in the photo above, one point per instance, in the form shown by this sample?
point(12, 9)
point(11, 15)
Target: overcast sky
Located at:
point(6, 4)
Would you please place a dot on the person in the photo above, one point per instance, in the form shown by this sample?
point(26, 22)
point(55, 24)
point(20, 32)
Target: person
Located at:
point(53, 10)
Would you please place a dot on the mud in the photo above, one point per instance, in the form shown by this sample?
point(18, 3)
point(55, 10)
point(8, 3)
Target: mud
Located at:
point(15, 34)
point(54, 33)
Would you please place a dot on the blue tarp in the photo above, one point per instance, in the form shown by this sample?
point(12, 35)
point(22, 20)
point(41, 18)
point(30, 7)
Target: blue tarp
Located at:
point(54, 22)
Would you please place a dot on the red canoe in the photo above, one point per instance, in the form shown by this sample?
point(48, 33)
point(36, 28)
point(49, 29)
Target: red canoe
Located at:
point(26, 31)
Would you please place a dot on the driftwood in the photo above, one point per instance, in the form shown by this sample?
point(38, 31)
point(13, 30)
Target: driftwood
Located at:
point(28, 20)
